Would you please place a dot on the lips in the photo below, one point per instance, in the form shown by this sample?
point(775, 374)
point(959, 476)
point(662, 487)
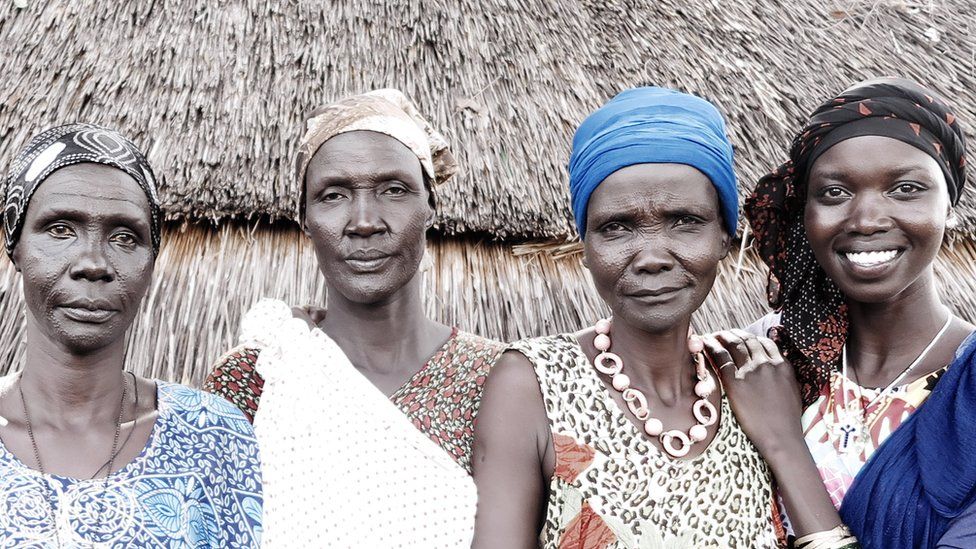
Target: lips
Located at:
point(655, 292)
point(366, 260)
point(655, 295)
point(93, 311)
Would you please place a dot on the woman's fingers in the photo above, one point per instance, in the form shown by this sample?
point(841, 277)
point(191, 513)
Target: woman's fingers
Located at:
point(735, 345)
point(720, 357)
point(775, 357)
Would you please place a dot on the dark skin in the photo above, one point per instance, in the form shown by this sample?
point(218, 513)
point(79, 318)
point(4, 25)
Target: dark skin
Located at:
point(872, 194)
point(367, 213)
point(86, 258)
point(653, 244)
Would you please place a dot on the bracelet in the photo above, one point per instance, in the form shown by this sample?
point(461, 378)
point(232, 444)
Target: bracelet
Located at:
point(839, 537)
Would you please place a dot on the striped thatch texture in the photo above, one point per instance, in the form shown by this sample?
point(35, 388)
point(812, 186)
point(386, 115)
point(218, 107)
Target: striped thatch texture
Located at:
point(206, 279)
point(215, 91)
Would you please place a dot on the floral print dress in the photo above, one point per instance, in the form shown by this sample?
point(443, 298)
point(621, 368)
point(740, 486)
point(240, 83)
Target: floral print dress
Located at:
point(197, 483)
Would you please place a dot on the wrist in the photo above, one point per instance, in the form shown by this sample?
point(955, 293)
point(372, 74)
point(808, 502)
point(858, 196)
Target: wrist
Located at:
point(782, 447)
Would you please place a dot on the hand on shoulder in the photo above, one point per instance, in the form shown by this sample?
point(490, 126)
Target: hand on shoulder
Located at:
point(760, 384)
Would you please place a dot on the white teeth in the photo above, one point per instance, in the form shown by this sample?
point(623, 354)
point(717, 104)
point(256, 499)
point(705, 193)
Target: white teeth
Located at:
point(867, 259)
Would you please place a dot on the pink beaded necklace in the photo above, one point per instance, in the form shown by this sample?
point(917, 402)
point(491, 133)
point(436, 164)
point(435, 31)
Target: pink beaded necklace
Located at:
point(611, 364)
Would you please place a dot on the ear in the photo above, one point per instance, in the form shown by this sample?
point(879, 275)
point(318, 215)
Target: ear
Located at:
point(726, 244)
point(15, 259)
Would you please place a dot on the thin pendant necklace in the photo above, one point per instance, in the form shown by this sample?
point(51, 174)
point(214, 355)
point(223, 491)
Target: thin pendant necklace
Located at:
point(50, 495)
point(705, 414)
point(850, 429)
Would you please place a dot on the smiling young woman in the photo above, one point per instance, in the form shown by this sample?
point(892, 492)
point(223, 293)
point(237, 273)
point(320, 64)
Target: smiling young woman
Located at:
point(366, 410)
point(850, 228)
point(91, 455)
point(619, 436)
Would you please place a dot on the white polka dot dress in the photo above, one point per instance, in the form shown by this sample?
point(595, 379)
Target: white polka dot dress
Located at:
point(343, 466)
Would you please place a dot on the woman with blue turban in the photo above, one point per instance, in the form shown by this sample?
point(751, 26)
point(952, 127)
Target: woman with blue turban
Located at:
point(620, 435)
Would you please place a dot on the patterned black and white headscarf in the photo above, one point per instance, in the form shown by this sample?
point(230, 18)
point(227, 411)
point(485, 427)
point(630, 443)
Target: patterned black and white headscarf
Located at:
point(63, 146)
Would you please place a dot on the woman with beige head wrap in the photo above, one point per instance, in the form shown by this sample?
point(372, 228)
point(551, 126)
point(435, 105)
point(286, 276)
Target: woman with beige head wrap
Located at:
point(366, 413)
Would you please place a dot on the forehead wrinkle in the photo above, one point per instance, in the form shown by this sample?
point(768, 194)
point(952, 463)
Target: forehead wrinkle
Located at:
point(667, 200)
point(89, 196)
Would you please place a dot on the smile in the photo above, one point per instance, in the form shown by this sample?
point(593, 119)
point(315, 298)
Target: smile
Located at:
point(871, 259)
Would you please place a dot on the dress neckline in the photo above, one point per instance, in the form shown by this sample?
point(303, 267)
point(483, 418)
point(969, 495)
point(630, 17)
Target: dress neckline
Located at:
point(162, 412)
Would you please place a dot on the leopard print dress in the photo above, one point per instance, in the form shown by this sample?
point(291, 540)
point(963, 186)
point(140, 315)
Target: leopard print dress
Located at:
point(612, 489)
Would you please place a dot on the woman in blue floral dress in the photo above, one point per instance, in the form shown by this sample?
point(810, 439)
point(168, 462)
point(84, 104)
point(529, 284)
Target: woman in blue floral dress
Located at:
point(91, 455)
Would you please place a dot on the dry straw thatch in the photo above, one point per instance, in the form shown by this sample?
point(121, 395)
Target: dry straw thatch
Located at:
point(215, 92)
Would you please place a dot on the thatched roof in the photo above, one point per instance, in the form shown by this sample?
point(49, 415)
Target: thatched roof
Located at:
point(216, 91)
point(206, 279)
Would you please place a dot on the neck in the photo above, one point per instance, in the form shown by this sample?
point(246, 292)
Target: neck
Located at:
point(65, 389)
point(383, 336)
point(897, 328)
point(658, 361)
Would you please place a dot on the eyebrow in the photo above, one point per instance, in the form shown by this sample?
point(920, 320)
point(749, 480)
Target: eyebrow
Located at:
point(892, 172)
point(339, 179)
point(117, 217)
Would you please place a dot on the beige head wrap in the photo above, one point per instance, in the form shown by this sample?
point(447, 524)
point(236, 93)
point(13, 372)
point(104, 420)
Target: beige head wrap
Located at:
point(385, 111)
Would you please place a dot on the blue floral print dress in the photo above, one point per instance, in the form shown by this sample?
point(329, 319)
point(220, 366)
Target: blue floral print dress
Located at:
point(197, 483)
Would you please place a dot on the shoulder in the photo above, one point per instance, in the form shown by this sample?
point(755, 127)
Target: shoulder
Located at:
point(471, 342)
point(235, 379)
point(471, 352)
point(513, 374)
point(202, 410)
point(545, 347)
point(238, 364)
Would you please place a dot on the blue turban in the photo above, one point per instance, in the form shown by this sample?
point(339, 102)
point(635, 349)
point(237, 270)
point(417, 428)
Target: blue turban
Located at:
point(652, 126)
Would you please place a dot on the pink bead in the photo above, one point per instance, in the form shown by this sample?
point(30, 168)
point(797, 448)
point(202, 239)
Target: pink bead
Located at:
point(705, 387)
point(653, 426)
point(602, 342)
point(621, 382)
point(602, 326)
point(698, 433)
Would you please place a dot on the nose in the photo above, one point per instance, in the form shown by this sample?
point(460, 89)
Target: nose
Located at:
point(868, 215)
point(91, 262)
point(365, 219)
point(653, 257)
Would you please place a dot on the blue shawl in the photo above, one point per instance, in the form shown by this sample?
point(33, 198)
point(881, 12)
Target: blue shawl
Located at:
point(924, 474)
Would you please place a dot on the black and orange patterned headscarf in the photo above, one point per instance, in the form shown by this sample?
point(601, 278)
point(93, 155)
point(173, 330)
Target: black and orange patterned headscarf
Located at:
point(813, 322)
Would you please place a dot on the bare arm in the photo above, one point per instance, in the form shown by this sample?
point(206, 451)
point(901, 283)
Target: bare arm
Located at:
point(510, 448)
point(766, 400)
